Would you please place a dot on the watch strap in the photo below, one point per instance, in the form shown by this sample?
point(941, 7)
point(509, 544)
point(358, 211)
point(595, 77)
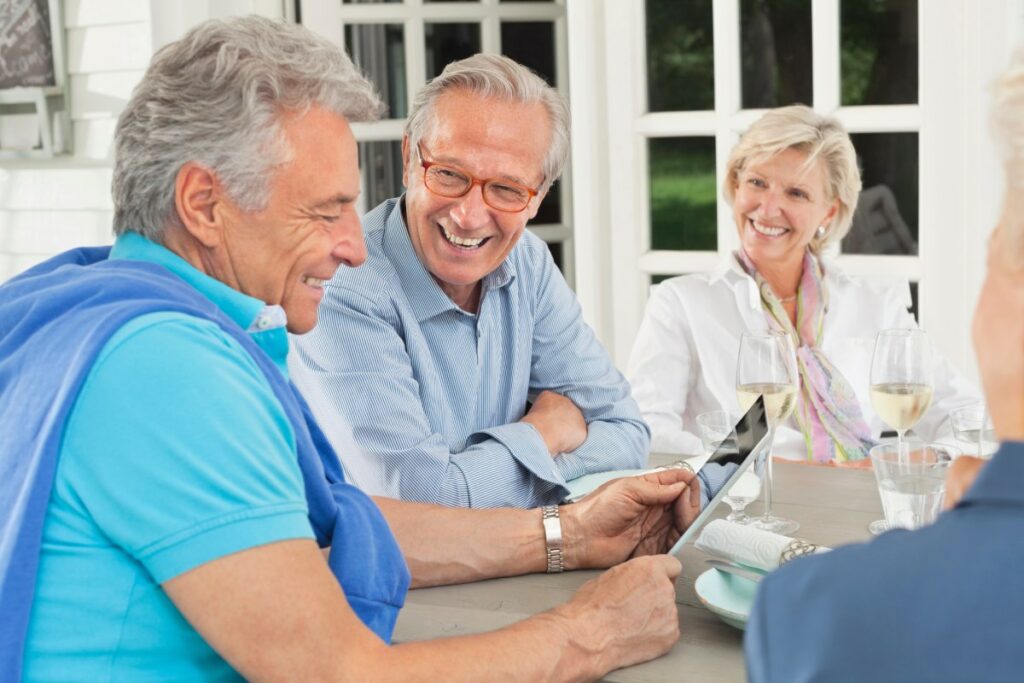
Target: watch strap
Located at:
point(552, 538)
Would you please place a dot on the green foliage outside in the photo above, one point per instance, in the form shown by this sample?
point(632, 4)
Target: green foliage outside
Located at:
point(683, 194)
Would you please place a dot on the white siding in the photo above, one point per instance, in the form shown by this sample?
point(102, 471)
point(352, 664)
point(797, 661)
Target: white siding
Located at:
point(49, 206)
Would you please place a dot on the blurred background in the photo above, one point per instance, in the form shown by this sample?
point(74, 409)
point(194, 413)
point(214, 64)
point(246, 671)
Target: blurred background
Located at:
point(659, 89)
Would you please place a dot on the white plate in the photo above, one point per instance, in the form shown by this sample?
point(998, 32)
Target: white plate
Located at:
point(729, 596)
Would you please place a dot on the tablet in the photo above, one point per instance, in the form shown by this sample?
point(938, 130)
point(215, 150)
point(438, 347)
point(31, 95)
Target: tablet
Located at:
point(751, 438)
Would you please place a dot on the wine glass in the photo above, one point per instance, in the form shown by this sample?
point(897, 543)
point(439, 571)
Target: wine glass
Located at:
point(901, 386)
point(718, 430)
point(972, 426)
point(767, 367)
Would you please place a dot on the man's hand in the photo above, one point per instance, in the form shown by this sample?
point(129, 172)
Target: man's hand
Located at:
point(559, 422)
point(625, 616)
point(629, 517)
point(962, 474)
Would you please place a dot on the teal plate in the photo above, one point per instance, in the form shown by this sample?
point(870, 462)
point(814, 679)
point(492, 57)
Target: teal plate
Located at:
point(726, 595)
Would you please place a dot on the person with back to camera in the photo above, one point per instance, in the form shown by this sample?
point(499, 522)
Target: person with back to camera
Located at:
point(792, 182)
point(942, 603)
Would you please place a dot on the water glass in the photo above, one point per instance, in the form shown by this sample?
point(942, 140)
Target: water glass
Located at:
point(972, 427)
point(911, 484)
point(718, 429)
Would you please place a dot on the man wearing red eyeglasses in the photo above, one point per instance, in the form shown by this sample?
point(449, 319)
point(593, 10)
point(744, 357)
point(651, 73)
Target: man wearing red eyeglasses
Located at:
point(457, 357)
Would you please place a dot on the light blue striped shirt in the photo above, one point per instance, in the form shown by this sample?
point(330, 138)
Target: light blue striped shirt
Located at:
point(433, 395)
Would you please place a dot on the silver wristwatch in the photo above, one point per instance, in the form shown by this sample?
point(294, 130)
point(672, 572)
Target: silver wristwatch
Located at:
point(552, 538)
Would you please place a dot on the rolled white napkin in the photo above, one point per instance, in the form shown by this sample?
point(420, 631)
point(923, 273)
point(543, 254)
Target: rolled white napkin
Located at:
point(750, 546)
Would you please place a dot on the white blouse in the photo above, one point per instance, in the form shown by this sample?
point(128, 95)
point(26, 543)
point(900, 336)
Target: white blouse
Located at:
point(684, 359)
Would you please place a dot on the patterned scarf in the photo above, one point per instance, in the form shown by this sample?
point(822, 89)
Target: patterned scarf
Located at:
point(828, 411)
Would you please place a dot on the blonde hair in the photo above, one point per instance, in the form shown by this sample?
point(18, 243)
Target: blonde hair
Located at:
point(1007, 124)
point(819, 137)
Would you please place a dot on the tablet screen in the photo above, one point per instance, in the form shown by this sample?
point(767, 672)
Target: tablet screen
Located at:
point(751, 431)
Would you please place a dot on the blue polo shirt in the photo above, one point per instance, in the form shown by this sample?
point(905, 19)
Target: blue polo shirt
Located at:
point(148, 486)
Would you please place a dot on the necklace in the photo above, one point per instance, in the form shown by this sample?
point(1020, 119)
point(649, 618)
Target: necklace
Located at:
point(788, 299)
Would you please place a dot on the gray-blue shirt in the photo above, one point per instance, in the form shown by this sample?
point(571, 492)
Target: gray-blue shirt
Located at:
point(433, 395)
point(942, 603)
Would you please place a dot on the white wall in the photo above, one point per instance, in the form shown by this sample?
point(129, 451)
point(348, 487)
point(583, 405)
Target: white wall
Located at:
point(52, 205)
point(48, 206)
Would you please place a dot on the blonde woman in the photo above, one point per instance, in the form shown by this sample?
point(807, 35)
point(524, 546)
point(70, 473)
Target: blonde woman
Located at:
point(792, 182)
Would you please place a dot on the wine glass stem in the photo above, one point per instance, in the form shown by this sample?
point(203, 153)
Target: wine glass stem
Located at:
point(901, 452)
point(770, 442)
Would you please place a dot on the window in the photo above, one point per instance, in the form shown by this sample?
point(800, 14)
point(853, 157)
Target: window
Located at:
point(687, 77)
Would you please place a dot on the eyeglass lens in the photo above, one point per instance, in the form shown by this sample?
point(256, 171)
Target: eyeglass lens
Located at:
point(450, 182)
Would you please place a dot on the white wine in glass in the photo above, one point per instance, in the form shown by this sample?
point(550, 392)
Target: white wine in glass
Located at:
point(779, 399)
point(901, 385)
point(901, 404)
point(767, 367)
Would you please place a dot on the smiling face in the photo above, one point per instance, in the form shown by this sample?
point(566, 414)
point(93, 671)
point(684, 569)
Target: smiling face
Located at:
point(284, 253)
point(461, 240)
point(778, 206)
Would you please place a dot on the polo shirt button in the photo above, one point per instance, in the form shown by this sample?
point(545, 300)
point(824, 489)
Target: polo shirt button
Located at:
point(263, 322)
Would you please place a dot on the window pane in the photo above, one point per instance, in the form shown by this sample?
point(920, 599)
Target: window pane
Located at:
point(556, 253)
point(886, 218)
point(550, 210)
point(532, 44)
point(380, 163)
point(878, 51)
point(449, 42)
point(680, 59)
point(682, 173)
point(914, 308)
point(379, 49)
point(367, 2)
point(656, 279)
point(775, 46)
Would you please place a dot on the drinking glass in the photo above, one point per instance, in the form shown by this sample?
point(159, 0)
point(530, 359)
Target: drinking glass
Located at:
point(972, 427)
point(767, 367)
point(911, 479)
point(718, 429)
point(901, 385)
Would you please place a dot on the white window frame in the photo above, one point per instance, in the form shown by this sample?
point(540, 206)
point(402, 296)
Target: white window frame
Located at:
point(962, 45)
point(329, 18)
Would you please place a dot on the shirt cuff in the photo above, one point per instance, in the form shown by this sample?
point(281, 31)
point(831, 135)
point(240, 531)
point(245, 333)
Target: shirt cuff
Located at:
point(712, 478)
point(454, 491)
point(527, 447)
point(570, 466)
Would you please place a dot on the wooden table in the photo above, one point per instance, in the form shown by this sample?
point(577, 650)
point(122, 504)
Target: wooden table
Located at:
point(833, 506)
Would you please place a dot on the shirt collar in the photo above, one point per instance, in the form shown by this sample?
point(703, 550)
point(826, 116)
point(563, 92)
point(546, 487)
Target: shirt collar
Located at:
point(265, 323)
point(1001, 480)
point(425, 296)
point(730, 271)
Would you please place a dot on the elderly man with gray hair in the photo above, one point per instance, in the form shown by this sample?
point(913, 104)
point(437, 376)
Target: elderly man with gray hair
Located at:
point(457, 355)
point(170, 509)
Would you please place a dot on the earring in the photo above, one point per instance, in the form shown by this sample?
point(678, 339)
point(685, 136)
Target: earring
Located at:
point(821, 231)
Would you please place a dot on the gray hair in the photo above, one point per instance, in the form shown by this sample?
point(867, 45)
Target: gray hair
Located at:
point(216, 97)
point(820, 137)
point(1007, 124)
point(500, 77)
